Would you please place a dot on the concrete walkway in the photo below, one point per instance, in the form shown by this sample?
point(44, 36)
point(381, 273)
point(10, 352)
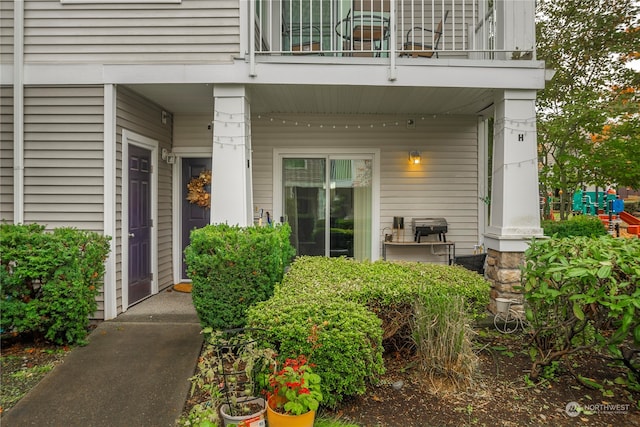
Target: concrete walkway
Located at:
point(133, 372)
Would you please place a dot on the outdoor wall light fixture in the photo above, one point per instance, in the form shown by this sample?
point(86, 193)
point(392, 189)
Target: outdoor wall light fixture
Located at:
point(167, 156)
point(414, 157)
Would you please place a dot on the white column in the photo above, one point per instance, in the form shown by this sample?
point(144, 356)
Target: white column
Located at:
point(231, 184)
point(515, 28)
point(515, 211)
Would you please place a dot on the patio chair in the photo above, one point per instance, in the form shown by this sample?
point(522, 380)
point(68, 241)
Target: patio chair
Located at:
point(302, 38)
point(423, 42)
point(366, 27)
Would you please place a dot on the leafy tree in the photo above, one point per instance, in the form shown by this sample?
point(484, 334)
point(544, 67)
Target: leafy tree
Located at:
point(588, 122)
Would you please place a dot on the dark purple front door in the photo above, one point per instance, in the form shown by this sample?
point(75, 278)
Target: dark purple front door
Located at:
point(140, 274)
point(193, 216)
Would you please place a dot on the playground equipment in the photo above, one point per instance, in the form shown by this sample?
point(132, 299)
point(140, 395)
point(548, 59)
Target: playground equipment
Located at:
point(595, 202)
point(629, 219)
point(634, 223)
point(608, 207)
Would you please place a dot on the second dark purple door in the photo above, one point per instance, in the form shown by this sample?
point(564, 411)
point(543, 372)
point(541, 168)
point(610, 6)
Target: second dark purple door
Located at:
point(193, 216)
point(140, 274)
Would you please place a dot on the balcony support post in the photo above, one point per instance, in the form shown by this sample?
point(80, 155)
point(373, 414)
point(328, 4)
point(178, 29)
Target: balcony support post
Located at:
point(515, 211)
point(231, 182)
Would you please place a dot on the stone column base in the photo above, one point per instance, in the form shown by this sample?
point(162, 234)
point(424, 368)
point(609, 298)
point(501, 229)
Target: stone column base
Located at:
point(503, 271)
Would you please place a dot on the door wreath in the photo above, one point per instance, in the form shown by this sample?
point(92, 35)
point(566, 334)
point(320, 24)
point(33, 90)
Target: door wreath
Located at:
point(199, 190)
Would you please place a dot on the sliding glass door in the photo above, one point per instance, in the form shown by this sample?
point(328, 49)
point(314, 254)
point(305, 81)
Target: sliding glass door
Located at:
point(328, 204)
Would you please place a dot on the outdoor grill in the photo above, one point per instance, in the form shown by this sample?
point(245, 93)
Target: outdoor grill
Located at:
point(429, 226)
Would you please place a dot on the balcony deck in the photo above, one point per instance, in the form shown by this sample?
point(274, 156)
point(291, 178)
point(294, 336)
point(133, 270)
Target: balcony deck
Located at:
point(389, 29)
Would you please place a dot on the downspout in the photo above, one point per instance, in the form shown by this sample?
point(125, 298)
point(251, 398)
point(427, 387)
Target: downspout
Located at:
point(18, 111)
point(252, 39)
point(109, 190)
point(393, 73)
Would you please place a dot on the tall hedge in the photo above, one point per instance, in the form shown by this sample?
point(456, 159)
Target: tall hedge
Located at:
point(234, 267)
point(49, 281)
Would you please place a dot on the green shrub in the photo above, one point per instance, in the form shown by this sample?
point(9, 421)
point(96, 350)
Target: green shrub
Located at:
point(341, 291)
point(49, 281)
point(582, 293)
point(580, 225)
point(342, 338)
point(232, 268)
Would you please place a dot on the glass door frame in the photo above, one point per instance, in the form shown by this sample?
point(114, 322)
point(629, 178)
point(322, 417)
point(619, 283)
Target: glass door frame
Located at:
point(332, 154)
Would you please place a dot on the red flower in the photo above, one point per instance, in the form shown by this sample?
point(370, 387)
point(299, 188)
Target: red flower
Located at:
point(295, 388)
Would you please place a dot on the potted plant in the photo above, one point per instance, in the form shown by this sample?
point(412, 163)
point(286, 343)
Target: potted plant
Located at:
point(294, 395)
point(239, 362)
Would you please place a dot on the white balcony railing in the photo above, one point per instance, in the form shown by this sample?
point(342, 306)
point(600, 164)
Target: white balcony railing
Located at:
point(390, 28)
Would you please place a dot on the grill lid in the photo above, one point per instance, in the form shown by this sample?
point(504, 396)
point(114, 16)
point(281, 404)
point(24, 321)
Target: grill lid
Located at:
point(427, 226)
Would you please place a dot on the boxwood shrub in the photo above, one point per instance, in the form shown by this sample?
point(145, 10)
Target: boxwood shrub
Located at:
point(336, 297)
point(383, 284)
point(234, 267)
point(49, 281)
point(342, 338)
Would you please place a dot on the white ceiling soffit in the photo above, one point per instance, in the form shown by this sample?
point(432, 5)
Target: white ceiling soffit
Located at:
point(197, 99)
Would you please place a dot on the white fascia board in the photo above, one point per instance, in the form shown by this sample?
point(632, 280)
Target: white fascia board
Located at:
point(35, 74)
point(116, 1)
point(459, 76)
point(450, 73)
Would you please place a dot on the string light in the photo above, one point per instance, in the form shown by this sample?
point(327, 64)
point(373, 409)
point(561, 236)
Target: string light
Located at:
point(231, 116)
point(506, 166)
point(501, 125)
point(356, 125)
point(231, 120)
point(326, 125)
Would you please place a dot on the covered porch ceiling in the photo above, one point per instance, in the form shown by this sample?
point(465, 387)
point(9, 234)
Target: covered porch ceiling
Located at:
point(184, 99)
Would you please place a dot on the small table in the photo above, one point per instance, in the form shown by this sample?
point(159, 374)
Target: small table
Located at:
point(449, 248)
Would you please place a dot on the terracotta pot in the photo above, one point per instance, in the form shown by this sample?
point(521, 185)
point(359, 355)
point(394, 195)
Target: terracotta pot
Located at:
point(276, 419)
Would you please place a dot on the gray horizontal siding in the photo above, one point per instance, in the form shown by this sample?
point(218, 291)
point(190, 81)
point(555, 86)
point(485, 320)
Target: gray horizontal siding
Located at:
point(6, 31)
point(63, 157)
point(6, 153)
point(444, 185)
point(193, 131)
point(191, 31)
